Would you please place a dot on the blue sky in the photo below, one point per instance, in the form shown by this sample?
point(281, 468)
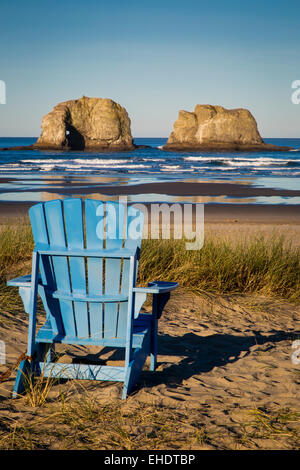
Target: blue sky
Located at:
point(154, 58)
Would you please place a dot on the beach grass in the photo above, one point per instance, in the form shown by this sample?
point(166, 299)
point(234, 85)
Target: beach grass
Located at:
point(258, 264)
point(269, 266)
point(87, 424)
point(16, 245)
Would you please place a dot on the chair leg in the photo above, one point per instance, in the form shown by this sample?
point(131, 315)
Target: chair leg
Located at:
point(154, 331)
point(132, 372)
point(44, 352)
point(153, 345)
point(22, 378)
point(153, 354)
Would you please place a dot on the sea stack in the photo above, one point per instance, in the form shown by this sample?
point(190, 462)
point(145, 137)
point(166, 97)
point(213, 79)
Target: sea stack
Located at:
point(216, 128)
point(86, 123)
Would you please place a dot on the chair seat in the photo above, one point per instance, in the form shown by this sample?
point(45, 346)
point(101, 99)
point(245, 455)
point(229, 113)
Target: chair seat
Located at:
point(141, 327)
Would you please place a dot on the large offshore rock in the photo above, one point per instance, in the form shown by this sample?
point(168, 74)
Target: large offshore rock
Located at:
point(214, 127)
point(86, 123)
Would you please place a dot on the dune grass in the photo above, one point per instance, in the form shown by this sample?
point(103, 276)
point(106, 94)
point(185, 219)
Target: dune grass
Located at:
point(86, 424)
point(16, 244)
point(266, 266)
point(270, 266)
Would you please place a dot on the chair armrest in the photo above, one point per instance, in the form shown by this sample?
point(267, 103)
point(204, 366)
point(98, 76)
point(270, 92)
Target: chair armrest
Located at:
point(24, 285)
point(23, 281)
point(161, 294)
point(157, 287)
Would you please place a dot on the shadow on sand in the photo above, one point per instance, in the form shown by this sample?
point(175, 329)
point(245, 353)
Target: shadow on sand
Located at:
point(199, 354)
point(202, 354)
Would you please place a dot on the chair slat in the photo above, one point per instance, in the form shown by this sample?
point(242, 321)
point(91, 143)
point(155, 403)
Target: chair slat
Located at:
point(83, 372)
point(97, 253)
point(134, 227)
point(55, 224)
point(75, 239)
point(38, 224)
point(89, 297)
point(40, 235)
point(115, 217)
point(123, 309)
point(94, 225)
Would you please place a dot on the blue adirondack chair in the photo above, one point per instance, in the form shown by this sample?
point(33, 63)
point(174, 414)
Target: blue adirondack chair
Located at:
point(84, 268)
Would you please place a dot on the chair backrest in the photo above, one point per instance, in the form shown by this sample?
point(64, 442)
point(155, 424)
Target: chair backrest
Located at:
point(78, 281)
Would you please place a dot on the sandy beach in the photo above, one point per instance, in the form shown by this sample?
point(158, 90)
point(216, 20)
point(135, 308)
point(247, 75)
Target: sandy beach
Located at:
point(224, 373)
point(214, 213)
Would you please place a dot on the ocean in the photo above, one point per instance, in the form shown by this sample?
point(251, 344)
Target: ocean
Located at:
point(22, 173)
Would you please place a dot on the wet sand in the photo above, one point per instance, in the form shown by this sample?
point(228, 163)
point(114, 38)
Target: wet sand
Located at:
point(171, 188)
point(223, 201)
